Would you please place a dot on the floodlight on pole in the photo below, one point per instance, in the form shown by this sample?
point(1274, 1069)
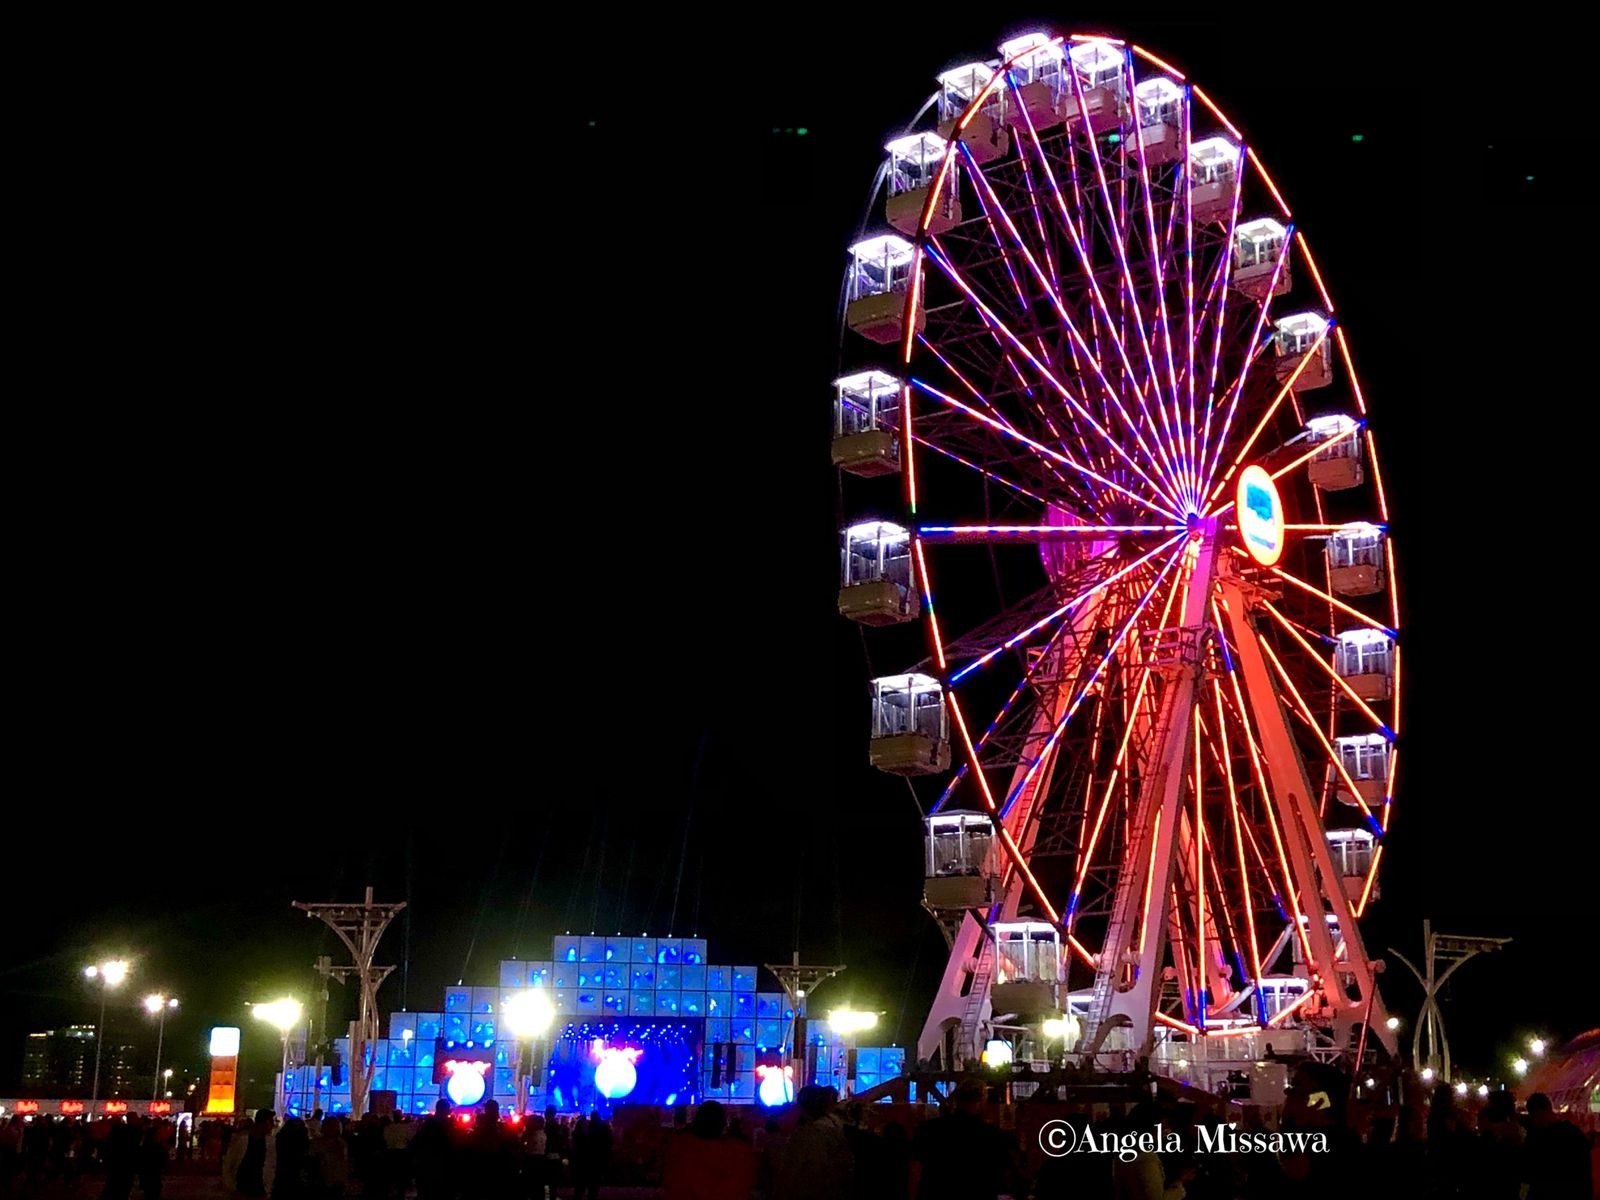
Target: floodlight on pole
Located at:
point(848, 1021)
point(108, 975)
point(283, 1015)
point(159, 1006)
point(526, 1015)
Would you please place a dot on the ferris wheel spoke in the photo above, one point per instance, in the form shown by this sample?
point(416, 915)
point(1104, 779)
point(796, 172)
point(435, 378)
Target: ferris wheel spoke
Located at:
point(1219, 295)
point(1042, 453)
point(1116, 236)
point(1046, 374)
point(1111, 651)
point(1063, 610)
point(1034, 533)
point(1255, 347)
point(1335, 602)
point(1078, 232)
point(1052, 293)
point(1303, 710)
point(930, 444)
point(992, 205)
point(1338, 680)
point(1018, 860)
point(1054, 455)
point(1284, 391)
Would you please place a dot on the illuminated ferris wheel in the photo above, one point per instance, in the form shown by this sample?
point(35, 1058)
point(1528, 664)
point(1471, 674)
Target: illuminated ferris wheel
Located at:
point(1107, 367)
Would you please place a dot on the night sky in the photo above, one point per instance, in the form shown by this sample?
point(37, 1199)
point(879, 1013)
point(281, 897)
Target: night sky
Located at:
point(425, 483)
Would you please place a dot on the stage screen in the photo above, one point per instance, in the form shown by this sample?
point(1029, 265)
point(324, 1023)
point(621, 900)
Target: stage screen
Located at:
point(604, 1063)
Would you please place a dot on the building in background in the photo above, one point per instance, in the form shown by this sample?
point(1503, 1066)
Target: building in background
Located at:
point(638, 1021)
point(59, 1060)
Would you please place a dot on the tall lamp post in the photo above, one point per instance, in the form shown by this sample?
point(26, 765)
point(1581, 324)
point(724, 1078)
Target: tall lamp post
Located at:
point(158, 1006)
point(108, 975)
point(527, 1015)
point(283, 1015)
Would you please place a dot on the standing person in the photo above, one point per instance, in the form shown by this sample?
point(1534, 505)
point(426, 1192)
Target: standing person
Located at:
point(253, 1155)
point(591, 1156)
point(396, 1140)
point(330, 1162)
point(958, 1156)
point(153, 1158)
point(119, 1154)
point(433, 1156)
point(490, 1170)
point(294, 1161)
point(703, 1163)
point(557, 1148)
point(1556, 1160)
point(1498, 1171)
point(816, 1162)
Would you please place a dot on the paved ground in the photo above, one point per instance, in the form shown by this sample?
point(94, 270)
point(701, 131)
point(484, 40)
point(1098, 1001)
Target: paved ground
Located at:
point(179, 1187)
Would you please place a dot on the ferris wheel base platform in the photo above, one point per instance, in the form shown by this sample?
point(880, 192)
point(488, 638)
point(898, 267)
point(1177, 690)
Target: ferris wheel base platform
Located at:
point(910, 754)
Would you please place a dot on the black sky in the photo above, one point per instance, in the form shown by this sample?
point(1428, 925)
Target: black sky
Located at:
point(423, 467)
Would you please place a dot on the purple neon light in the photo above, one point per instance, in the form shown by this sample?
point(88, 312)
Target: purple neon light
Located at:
point(1063, 610)
point(1012, 431)
point(1116, 644)
point(1094, 289)
point(944, 264)
point(992, 204)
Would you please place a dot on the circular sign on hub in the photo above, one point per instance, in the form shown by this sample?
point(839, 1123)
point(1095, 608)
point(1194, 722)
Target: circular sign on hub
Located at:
point(1260, 510)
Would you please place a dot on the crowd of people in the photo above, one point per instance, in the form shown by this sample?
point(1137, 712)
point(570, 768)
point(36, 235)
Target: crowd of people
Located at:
point(1427, 1147)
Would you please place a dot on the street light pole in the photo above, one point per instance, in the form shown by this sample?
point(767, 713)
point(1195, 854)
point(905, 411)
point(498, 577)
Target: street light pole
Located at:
point(158, 1006)
point(283, 1015)
point(109, 974)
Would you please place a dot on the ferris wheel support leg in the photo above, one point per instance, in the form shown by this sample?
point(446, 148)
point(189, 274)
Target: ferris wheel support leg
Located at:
point(949, 1008)
point(1311, 861)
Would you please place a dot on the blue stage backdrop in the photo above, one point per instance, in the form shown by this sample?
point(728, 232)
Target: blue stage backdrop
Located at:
point(601, 1064)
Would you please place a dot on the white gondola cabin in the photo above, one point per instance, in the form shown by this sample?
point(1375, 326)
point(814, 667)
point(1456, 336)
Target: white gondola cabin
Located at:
point(1279, 992)
point(875, 585)
point(1036, 68)
point(1352, 851)
point(1098, 68)
point(959, 869)
point(985, 133)
point(1337, 465)
point(880, 276)
point(1365, 759)
point(1159, 102)
point(1027, 968)
point(1355, 559)
point(1214, 172)
point(1364, 659)
point(913, 166)
point(866, 423)
point(910, 729)
point(1257, 248)
point(1298, 338)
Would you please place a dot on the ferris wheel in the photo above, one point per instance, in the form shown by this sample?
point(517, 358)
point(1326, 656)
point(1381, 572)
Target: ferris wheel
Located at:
point(1094, 351)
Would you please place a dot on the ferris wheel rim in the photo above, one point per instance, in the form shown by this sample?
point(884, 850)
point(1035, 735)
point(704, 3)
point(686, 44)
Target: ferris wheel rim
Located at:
point(1162, 526)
